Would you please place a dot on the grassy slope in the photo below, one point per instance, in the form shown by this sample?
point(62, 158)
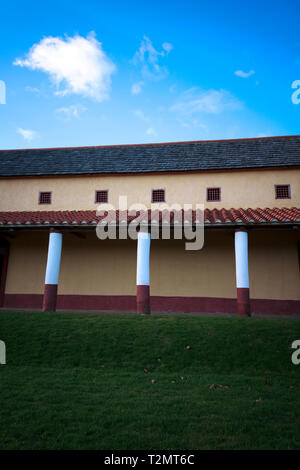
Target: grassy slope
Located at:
point(75, 381)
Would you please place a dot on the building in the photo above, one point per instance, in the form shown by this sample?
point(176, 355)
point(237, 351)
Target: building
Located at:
point(52, 258)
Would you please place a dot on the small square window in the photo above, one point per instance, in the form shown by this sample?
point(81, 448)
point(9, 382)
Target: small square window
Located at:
point(158, 195)
point(101, 196)
point(213, 194)
point(282, 191)
point(45, 197)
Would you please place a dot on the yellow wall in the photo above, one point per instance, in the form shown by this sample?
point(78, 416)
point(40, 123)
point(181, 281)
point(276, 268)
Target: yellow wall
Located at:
point(274, 265)
point(94, 267)
point(209, 272)
point(238, 189)
point(27, 264)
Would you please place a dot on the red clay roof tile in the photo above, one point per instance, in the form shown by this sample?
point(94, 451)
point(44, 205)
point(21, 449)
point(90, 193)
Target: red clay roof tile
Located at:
point(211, 216)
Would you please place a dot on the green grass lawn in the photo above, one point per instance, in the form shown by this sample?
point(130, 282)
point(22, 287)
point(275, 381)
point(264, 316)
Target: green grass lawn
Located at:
point(88, 381)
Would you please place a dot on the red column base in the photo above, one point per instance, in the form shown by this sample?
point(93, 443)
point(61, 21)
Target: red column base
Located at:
point(243, 302)
point(143, 299)
point(50, 296)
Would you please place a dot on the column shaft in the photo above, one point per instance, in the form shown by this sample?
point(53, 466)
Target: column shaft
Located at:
point(143, 273)
point(242, 274)
point(52, 271)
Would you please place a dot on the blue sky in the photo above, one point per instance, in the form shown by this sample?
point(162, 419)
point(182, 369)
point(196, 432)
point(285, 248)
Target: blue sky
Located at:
point(98, 73)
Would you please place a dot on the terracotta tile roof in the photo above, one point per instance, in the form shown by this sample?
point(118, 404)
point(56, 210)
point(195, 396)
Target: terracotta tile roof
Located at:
point(211, 217)
point(261, 152)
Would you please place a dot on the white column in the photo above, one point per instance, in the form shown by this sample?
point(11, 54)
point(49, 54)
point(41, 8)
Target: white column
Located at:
point(242, 272)
point(52, 271)
point(53, 260)
point(143, 273)
point(241, 259)
point(143, 259)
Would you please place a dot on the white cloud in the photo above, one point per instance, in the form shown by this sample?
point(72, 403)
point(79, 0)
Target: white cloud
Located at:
point(151, 131)
point(75, 65)
point(211, 101)
point(32, 89)
point(140, 114)
point(147, 56)
point(27, 133)
point(192, 123)
point(137, 88)
point(242, 74)
point(72, 111)
point(167, 46)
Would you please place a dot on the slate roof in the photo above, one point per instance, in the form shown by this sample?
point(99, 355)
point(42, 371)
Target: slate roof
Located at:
point(144, 158)
point(212, 217)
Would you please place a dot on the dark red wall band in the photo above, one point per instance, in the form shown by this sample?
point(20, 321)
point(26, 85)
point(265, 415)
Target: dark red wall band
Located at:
point(143, 299)
point(127, 303)
point(50, 296)
point(243, 302)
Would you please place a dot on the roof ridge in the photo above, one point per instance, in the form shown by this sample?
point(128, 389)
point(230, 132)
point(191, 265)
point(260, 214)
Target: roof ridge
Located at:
point(72, 211)
point(154, 143)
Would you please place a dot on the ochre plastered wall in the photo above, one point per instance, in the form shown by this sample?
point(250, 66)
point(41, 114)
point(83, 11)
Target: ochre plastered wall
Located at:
point(274, 265)
point(93, 267)
point(27, 264)
point(244, 189)
point(209, 272)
